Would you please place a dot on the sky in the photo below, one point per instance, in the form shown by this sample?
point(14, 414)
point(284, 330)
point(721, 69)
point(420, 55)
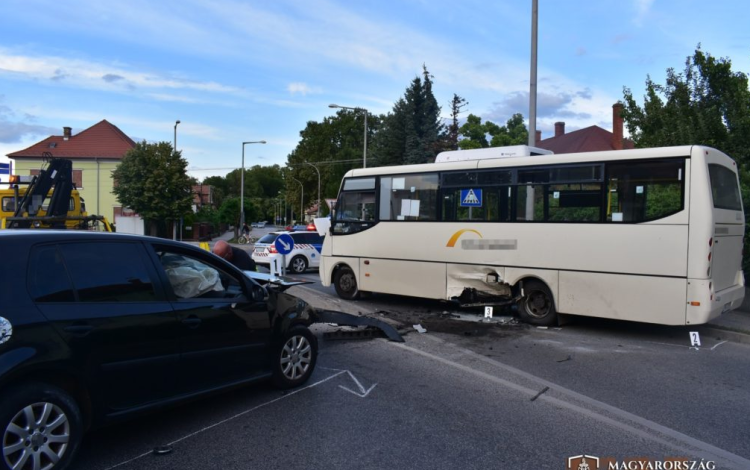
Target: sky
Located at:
point(237, 70)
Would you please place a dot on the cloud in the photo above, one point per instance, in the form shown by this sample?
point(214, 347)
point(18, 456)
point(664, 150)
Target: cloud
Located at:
point(642, 10)
point(13, 130)
point(558, 105)
point(110, 77)
point(302, 89)
point(100, 76)
point(620, 38)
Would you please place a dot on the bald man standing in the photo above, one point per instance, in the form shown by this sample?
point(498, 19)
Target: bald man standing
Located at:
point(236, 256)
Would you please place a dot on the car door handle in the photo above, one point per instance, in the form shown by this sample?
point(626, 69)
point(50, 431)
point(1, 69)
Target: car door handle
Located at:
point(192, 322)
point(78, 330)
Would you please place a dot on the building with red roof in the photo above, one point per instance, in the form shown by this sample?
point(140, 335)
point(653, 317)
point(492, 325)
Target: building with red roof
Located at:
point(95, 153)
point(588, 139)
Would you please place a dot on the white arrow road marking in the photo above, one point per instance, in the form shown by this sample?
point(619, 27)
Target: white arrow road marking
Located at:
point(362, 392)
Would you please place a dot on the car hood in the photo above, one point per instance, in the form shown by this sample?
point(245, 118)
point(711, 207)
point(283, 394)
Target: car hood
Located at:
point(280, 282)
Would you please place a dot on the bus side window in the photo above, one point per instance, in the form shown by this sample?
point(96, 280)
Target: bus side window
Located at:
point(645, 190)
point(409, 197)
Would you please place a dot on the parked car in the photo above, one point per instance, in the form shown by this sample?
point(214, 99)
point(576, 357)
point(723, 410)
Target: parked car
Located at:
point(259, 224)
point(95, 327)
point(305, 253)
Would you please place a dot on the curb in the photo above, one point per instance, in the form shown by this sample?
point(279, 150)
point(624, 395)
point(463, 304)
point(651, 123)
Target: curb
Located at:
point(729, 335)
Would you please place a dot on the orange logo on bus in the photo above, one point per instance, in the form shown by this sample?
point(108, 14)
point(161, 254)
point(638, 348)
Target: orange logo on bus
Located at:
point(454, 238)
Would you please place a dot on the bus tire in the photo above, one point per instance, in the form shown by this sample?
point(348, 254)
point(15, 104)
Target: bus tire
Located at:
point(537, 306)
point(346, 283)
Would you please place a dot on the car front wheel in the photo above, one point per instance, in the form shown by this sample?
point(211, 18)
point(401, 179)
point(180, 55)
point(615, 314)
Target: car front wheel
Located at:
point(41, 427)
point(295, 358)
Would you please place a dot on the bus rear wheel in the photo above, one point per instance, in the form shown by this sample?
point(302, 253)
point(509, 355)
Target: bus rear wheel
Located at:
point(345, 283)
point(537, 307)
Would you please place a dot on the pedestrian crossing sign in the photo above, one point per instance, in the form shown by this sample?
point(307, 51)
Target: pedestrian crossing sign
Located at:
point(471, 197)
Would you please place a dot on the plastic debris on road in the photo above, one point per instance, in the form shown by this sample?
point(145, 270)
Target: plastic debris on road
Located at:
point(419, 328)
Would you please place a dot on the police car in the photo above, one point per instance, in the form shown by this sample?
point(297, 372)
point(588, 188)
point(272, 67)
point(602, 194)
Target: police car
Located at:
point(304, 255)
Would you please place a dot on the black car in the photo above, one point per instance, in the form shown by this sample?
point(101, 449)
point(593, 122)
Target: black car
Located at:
point(95, 327)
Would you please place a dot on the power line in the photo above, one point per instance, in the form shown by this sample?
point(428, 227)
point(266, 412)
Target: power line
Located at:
point(328, 162)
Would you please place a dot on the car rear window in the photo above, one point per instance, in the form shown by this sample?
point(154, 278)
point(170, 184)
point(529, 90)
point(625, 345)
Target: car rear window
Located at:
point(268, 239)
point(724, 188)
point(48, 278)
point(310, 238)
point(108, 272)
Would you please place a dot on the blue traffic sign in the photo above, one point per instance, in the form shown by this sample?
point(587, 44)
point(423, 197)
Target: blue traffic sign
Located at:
point(471, 197)
point(284, 244)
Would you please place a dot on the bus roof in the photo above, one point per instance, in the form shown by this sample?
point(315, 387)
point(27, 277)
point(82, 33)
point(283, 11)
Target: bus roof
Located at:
point(536, 160)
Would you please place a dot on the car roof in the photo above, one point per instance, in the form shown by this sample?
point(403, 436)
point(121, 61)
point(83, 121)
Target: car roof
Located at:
point(49, 235)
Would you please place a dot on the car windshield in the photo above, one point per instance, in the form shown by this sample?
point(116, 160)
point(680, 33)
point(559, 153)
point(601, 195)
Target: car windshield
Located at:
point(268, 239)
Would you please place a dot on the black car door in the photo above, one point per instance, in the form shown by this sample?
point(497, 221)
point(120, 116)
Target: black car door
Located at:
point(224, 335)
point(104, 299)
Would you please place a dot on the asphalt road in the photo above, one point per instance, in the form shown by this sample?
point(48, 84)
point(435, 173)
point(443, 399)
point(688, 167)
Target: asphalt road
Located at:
point(463, 395)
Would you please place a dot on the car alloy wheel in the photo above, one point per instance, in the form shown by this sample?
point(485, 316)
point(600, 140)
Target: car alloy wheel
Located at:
point(299, 264)
point(296, 357)
point(37, 437)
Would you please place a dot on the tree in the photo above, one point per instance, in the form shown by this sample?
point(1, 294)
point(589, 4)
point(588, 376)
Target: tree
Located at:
point(152, 180)
point(514, 132)
point(475, 133)
point(229, 212)
point(451, 138)
point(413, 131)
point(707, 104)
point(334, 146)
point(220, 188)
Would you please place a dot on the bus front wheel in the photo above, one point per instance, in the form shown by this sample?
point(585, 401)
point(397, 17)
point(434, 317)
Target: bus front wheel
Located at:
point(537, 306)
point(345, 283)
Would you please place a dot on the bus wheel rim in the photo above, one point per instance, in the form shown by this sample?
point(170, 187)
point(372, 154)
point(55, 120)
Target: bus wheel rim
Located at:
point(537, 304)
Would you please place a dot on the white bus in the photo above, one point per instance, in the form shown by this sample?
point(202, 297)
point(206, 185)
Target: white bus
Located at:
point(648, 235)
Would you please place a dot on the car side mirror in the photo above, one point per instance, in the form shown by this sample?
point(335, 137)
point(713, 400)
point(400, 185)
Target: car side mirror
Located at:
point(257, 293)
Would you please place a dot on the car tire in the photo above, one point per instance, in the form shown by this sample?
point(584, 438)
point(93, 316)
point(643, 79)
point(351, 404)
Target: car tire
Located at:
point(298, 264)
point(295, 358)
point(54, 435)
point(537, 307)
point(345, 283)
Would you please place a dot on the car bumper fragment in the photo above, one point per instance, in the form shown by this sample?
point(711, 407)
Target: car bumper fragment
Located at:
point(345, 319)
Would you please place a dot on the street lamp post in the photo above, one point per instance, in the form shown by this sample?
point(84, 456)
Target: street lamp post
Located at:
point(364, 153)
point(174, 222)
point(242, 182)
point(301, 198)
point(175, 134)
point(318, 171)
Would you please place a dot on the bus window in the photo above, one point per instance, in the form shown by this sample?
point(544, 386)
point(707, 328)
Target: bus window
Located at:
point(574, 202)
point(724, 189)
point(495, 205)
point(409, 197)
point(530, 203)
point(646, 190)
point(355, 209)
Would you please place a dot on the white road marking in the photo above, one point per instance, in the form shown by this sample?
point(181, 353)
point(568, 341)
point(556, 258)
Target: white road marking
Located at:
point(719, 344)
point(672, 438)
point(362, 392)
point(231, 418)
